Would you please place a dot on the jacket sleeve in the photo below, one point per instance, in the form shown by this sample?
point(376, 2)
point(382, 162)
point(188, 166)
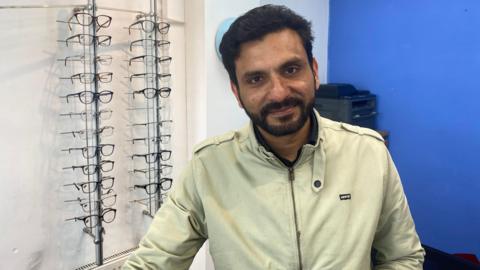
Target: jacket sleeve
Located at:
point(177, 231)
point(396, 242)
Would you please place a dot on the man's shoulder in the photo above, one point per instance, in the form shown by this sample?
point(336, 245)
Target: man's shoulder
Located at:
point(349, 130)
point(226, 139)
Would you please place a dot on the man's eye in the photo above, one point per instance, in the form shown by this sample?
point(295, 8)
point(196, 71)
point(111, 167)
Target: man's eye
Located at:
point(291, 70)
point(254, 79)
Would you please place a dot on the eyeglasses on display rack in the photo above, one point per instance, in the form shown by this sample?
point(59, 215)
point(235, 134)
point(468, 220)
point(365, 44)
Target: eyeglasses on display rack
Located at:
point(107, 216)
point(86, 19)
point(86, 204)
point(106, 183)
point(89, 133)
point(164, 169)
point(88, 97)
point(107, 201)
point(150, 60)
point(149, 26)
point(92, 151)
point(164, 138)
point(87, 78)
point(145, 201)
point(150, 92)
point(151, 76)
point(103, 114)
point(145, 42)
point(152, 188)
point(89, 169)
point(101, 59)
point(164, 155)
point(88, 40)
point(162, 123)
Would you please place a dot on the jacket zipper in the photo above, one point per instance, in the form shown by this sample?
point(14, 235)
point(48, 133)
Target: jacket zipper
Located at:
point(291, 178)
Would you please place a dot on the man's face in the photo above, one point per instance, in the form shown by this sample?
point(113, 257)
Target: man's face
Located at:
point(276, 84)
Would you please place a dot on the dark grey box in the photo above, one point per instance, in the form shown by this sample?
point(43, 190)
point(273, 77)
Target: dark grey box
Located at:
point(359, 110)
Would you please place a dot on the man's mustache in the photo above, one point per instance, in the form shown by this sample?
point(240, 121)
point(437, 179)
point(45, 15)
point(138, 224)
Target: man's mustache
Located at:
point(273, 106)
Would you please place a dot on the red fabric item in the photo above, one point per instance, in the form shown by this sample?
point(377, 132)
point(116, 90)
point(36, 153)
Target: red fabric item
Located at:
point(469, 257)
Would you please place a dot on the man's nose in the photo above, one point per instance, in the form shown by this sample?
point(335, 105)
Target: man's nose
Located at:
point(279, 89)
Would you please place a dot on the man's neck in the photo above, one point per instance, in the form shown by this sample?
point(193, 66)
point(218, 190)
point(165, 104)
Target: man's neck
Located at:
point(287, 146)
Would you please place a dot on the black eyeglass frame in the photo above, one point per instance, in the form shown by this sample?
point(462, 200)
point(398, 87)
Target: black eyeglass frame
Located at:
point(88, 218)
point(101, 40)
point(150, 158)
point(103, 77)
point(95, 19)
point(158, 43)
point(92, 151)
point(90, 169)
point(106, 183)
point(151, 92)
point(88, 97)
point(161, 27)
point(88, 133)
point(155, 186)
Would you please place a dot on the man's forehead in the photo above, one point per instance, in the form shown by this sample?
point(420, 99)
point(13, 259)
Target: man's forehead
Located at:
point(273, 48)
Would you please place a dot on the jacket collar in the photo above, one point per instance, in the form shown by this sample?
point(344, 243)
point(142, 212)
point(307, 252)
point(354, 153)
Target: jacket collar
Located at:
point(310, 153)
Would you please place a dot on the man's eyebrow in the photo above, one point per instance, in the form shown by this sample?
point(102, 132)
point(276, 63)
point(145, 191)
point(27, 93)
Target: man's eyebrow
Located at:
point(252, 73)
point(295, 61)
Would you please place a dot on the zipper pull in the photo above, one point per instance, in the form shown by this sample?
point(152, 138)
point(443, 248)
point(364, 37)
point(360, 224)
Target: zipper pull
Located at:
point(291, 175)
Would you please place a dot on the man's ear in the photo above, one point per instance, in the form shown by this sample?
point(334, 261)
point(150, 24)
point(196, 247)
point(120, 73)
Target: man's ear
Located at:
point(315, 73)
point(236, 93)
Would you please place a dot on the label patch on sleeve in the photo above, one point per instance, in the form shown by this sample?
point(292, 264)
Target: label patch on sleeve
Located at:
point(344, 197)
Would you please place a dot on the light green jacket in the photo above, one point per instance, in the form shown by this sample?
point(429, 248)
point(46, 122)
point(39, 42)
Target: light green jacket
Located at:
point(258, 214)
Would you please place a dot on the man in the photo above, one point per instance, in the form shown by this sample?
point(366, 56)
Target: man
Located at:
point(291, 190)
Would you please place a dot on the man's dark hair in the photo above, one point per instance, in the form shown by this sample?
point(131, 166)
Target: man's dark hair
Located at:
point(257, 23)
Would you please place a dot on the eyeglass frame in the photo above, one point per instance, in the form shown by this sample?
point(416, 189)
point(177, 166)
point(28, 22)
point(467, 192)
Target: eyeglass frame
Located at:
point(84, 218)
point(97, 149)
point(89, 132)
point(83, 115)
point(86, 168)
point(160, 123)
point(155, 156)
point(153, 139)
point(158, 76)
point(81, 185)
point(85, 205)
point(100, 59)
point(157, 59)
point(158, 91)
point(158, 184)
point(156, 26)
point(102, 40)
point(156, 171)
point(94, 18)
point(103, 77)
point(95, 96)
point(156, 43)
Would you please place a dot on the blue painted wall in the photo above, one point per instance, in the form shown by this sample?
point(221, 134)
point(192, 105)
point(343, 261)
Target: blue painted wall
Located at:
point(422, 59)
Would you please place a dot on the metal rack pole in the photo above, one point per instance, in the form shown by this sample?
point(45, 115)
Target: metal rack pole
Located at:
point(99, 227)
point(157, 111)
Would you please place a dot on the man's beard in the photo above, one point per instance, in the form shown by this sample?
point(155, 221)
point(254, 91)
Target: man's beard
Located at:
point(288, 125)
